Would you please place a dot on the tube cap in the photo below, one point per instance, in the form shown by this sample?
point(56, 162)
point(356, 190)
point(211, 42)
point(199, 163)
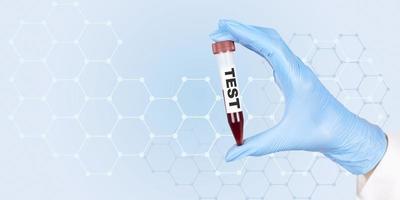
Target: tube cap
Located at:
point(223, 46)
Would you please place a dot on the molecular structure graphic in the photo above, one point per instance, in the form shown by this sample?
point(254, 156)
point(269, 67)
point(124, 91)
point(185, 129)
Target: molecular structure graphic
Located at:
point(68, 92)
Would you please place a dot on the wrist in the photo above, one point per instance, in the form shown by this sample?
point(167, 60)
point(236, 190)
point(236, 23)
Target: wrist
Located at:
point(363, 147)
point(378, 143)
point(369, 173)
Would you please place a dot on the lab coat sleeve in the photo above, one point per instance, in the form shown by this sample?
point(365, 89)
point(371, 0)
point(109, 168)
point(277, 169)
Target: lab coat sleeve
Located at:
point(384, 182)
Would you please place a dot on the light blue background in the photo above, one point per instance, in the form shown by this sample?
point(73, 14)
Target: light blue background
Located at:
point(93, 93)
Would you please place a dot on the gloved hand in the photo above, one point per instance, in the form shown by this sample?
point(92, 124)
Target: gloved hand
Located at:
point(313, 120)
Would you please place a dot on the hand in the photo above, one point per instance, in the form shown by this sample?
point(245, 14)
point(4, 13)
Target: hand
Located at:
point(313, 120)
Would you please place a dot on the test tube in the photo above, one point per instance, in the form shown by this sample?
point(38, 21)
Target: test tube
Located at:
point(224, 51)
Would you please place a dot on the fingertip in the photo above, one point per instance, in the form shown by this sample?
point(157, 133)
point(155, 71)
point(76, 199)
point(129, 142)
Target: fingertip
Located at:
point(230, 154)
point(213, 35)
point(230, 158)
point(237, 152)
point(234, 152)
point(221, 22)
point(242, 33)
point(220, 36)
point(227, 22)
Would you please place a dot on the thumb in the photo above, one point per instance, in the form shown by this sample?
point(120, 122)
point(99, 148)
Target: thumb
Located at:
point(269, 141)
point(265, 42)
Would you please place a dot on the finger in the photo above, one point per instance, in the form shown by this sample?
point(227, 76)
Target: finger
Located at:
point(237, 152)
point(270, 141)
point(267, 43)
point(239, 34)
point(263, 41)
point(221, 36)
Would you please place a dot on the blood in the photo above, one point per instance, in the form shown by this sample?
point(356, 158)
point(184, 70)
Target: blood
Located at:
point(236, 123)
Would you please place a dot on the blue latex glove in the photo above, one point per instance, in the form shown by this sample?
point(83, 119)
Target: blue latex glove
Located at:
point(313, 120)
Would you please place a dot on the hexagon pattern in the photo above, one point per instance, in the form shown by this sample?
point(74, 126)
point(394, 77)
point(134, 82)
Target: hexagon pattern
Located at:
point(280, 191)
point(33, 79)
point(196, 136)
point(302, 45)
point(207, 184)
point(32, 41)
point(302, 185)
point(325, 171)
point(98, 117)
point(10, 98)
point(130, 136)
point(89, 41)
point(325, 62)
point(66, 23)
point(98, 155)
point(131, 98)
point(231, 192)
point(349, 47)
point(160, 157)
point(66, 98)
point(65, 90)
point(184, 171)
point(350, 75)
point(163, 116)
point(32, 117)
point(98, 79)
point(9, 61)
point(260, 105)
point(254, 184)
point(65, 60)
point(196, 97)
point(65, 136)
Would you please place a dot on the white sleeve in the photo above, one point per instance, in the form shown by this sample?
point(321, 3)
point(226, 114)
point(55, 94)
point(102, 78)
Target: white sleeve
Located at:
point(384, 182)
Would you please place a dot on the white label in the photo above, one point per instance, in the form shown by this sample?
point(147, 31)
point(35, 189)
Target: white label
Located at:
point(230, 89)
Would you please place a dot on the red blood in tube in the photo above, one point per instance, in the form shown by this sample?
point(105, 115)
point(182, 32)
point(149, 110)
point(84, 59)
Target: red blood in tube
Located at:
point(236, 123)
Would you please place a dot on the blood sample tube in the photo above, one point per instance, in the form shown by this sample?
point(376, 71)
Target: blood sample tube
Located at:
point(223, 51)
